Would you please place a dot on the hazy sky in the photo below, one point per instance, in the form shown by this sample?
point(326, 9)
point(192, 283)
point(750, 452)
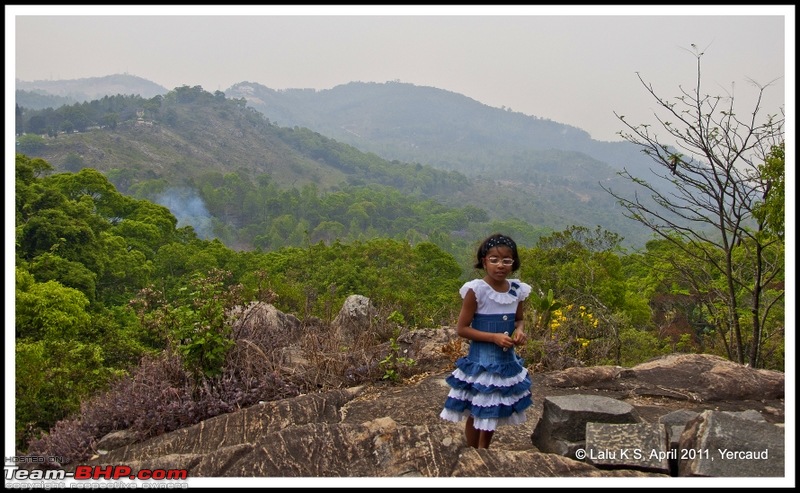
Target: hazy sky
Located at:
point(541, 61)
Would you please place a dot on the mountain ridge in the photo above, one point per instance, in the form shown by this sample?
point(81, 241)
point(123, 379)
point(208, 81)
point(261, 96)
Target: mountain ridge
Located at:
point(556, 187)
point(88, 88)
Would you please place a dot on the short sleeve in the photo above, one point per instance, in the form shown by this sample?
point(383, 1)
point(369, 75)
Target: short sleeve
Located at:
point(523, 290)
point(473, 285)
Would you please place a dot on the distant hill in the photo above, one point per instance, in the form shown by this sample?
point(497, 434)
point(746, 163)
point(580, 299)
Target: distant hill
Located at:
point(553, 170)
point(518, 167)
point(189, 132)
point(42, 94)
point(428, 125)
point(39, 100)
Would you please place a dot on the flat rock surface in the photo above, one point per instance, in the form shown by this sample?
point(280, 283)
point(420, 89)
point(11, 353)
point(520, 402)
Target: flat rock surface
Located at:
point(420, 400)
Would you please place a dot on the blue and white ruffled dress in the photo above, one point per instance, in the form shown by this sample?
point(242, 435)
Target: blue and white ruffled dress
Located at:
point(488, 383)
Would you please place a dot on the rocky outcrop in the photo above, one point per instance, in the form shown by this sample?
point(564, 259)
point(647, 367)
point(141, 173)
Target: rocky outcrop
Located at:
point(676, 402)
point(609, 434)
point(690, 377)
point(385, 430)
point(325, 435)
point(357, 313)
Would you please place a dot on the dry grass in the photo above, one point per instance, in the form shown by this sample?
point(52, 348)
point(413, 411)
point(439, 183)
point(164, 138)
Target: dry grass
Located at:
point(264, 364)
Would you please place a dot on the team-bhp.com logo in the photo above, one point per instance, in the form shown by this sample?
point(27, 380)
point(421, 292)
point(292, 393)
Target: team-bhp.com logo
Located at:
point(96, 472)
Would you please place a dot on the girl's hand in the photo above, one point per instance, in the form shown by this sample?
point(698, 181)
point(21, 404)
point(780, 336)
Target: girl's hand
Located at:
point(519, 338)
point(503, 340)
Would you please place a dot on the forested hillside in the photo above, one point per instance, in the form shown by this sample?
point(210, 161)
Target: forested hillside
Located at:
point(189, 142)
point(552, 171)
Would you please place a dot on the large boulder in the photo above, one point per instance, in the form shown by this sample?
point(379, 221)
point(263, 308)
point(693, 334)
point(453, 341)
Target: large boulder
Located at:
point(721, 444)
point(356, 316)
point(711, 378)
point(562, 427)
point(690, 377)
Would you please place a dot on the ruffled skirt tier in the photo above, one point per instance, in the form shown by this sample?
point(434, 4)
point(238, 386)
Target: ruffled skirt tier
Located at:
point(489, 384)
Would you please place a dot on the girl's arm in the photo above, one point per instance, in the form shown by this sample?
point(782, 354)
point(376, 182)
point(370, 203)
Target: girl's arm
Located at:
point(468, 308)
point(519, 336)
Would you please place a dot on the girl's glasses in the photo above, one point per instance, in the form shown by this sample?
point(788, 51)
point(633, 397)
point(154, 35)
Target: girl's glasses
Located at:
point(505, 261)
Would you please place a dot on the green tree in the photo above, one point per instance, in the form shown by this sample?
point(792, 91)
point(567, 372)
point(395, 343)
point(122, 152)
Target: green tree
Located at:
point(48, 310)
point(67, 127)
point(110, 120)
point(107, 202)
point(73, 162)
point(125, 269)
point(53, 376)
point(71, 274)
point(583, 270)
point(56, 366)
point(772, 211)
point(37, 125)
point(328, 231)
point(29, 192)
point(196, 321)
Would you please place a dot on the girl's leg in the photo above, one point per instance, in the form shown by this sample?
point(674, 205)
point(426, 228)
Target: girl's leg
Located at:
point(471, 433)
point(477, 438)
point(485, 438)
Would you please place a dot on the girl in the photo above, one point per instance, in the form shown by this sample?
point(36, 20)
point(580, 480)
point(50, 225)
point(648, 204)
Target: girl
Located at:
point(490, 386)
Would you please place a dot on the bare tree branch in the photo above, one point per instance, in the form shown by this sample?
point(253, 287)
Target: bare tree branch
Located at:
point(703, 199)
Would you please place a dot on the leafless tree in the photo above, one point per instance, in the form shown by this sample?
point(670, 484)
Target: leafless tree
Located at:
point(702, 196)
